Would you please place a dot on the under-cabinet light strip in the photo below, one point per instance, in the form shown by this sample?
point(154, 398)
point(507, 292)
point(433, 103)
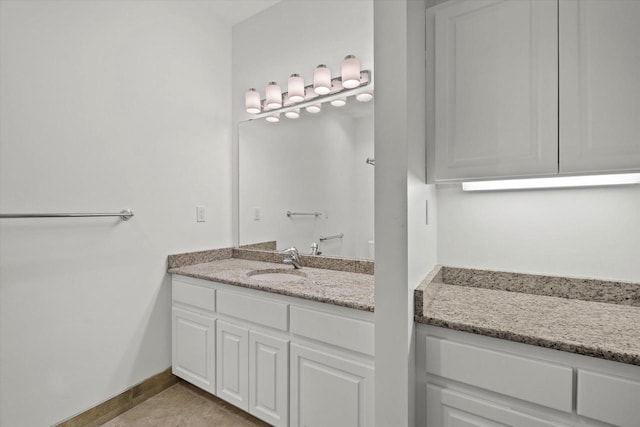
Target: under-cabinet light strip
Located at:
point(553, 182)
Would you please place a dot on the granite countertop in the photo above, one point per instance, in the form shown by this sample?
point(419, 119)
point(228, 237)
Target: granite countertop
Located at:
point(345, 285)
point(589, 317)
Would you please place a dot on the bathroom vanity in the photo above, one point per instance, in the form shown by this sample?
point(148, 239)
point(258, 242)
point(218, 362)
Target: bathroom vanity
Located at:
point(295, 347)
point(291, 347)
point(487, 350)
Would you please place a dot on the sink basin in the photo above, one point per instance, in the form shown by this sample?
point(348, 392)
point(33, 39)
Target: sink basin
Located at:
point(277, 275)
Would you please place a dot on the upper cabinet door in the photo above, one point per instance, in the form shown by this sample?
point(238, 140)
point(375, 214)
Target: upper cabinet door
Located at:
point(599, 85)
point(496, 88)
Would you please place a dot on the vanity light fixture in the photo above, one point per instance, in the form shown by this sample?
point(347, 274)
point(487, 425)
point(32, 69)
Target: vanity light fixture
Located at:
point(364, 96)
point(273, 118)
point(314, 108)
point(274, 95)
point(350, 72)
point(295, 88)
point(352, 82)
point(553, 182)
point(252, 101)
point(292, 114)
point(322, 80)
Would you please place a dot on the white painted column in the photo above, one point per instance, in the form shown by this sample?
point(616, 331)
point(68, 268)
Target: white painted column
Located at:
point(405, 249)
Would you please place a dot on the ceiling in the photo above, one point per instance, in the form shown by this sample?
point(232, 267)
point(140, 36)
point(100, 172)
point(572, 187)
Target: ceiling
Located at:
point(235, 11)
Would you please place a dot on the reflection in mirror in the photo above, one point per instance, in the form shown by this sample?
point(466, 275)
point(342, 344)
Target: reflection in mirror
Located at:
point(315, 165)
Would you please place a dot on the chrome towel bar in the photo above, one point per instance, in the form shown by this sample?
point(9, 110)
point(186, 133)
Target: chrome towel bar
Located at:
point(316, 214)
point(124, 215)
point(335, 236)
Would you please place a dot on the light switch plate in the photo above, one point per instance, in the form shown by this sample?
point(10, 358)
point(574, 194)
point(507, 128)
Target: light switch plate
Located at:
point(200, 214)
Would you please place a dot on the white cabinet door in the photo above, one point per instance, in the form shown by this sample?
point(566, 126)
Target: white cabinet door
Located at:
point(269, 378)
point(194, 348)
point(232, 364)
point(599, 85)
point(446, 408)
point(496, 89)
point(327, 390)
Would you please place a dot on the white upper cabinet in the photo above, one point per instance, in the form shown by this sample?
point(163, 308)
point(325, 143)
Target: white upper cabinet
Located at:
point(496, 88)
point(535, 87)
point(599, 85)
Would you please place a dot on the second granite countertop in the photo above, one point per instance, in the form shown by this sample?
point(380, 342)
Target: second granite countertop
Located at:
point(343, 288)
point(593, 318)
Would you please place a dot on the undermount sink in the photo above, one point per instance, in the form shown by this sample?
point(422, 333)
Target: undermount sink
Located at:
point(277, 275)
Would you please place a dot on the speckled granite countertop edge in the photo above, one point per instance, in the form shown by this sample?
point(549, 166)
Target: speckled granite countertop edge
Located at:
point(600, 353)
point(587, 327)
point(338, 302)
point(345, 289)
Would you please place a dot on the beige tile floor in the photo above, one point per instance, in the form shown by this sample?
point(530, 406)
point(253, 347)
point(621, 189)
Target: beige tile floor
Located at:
point(184, 405)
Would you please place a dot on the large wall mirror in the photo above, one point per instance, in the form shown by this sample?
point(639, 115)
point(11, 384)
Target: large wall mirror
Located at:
point(316, 166)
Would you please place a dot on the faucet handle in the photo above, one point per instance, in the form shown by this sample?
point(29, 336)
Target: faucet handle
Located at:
point(293, 258)
point(292, 251)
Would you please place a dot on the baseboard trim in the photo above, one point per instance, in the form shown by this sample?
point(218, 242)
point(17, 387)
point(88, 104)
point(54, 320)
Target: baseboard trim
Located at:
point(121, 403)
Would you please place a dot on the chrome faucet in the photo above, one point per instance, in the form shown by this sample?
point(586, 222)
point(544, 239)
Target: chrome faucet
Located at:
point(315, 250)
point(293, 258)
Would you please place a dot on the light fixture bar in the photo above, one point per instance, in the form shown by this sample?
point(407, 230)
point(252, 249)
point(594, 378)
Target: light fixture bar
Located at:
point(337, 91)
point(553, 182)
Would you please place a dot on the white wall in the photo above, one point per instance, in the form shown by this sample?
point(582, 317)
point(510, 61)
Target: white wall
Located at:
point(588, 232)
point(104, 106)
point(295, 36)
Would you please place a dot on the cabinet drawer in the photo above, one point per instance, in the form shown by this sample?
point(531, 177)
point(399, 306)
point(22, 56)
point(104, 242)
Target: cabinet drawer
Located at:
point(610, 399)
point(451, 408)
point(531, 380)
point(352, 334)
point(256, 310)
point(195, 295)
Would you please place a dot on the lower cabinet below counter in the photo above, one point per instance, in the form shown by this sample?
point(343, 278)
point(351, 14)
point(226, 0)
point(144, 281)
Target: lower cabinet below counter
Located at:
point(328, 390)
point(260, 352)
point(469, 380)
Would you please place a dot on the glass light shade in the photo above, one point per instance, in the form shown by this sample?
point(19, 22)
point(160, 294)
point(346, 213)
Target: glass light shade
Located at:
point(273, 118)
point(364, 96)
point(340, 102)
point(295, 88)
point(293, 114)
point(313, 108)
point(322, 80)
point(274, 95)
point(350, 72)
point(252, 101)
